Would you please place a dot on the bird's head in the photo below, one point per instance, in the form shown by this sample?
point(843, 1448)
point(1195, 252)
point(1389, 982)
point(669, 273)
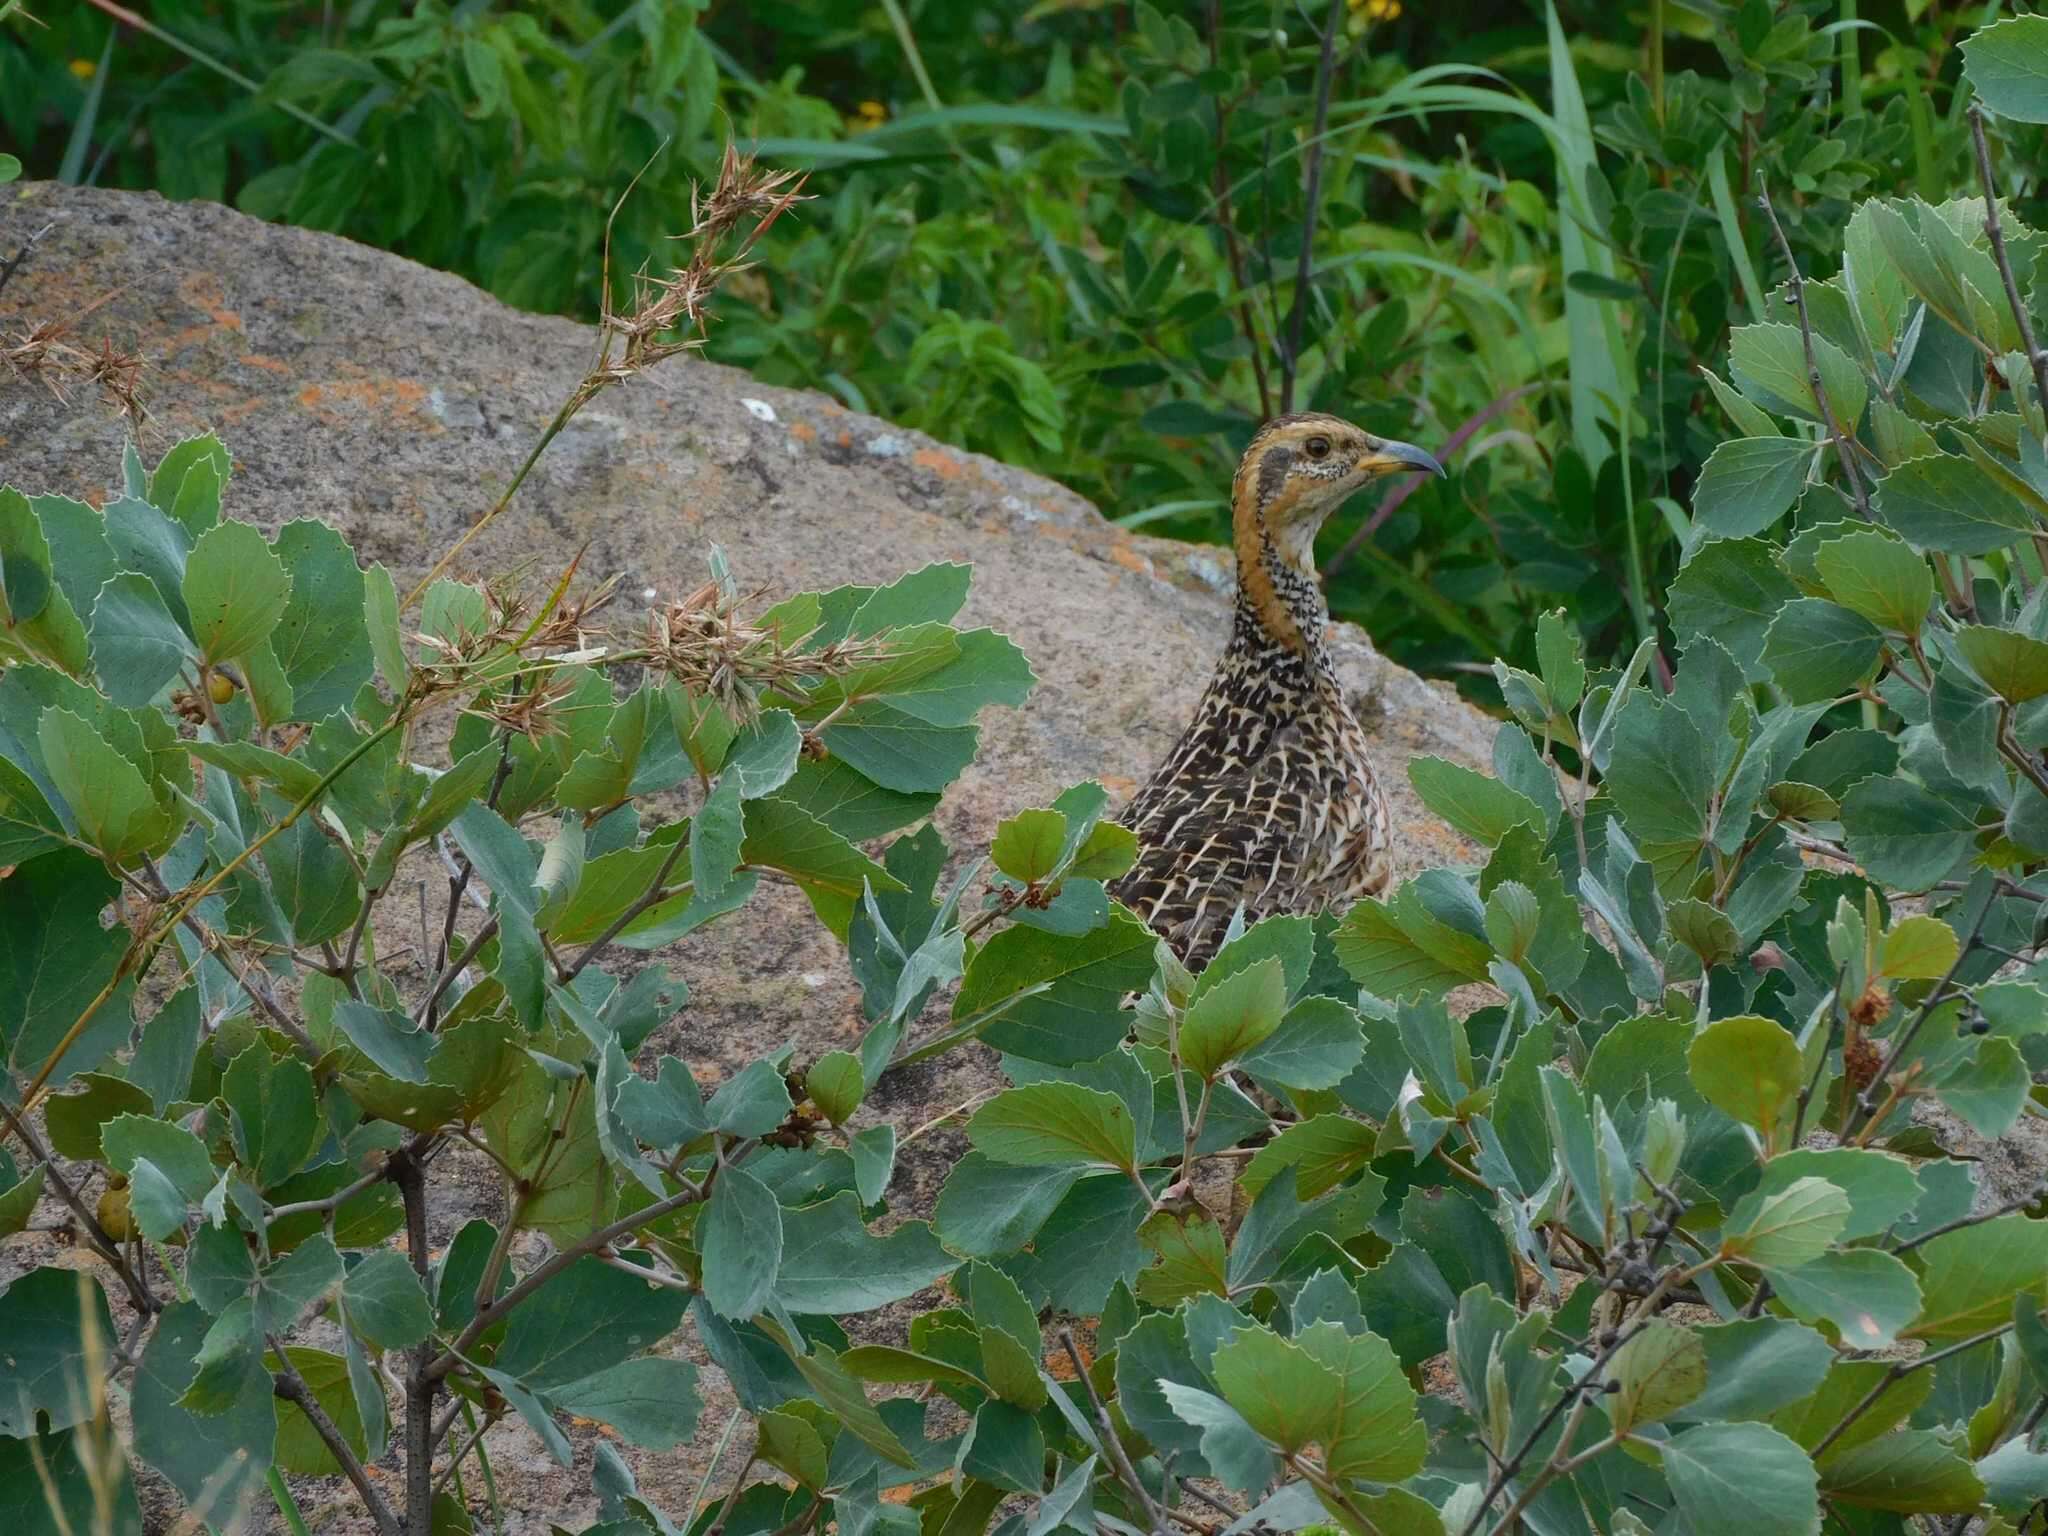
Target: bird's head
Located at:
point(1296, 472)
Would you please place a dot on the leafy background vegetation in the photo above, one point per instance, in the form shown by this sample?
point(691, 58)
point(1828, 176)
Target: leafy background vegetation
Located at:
point(1680, 1215)
point(1073, 236)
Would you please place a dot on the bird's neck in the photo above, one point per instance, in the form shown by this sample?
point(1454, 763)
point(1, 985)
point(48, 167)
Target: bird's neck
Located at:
point(1280, 619)
point(1279, 605)
point(1279, 601)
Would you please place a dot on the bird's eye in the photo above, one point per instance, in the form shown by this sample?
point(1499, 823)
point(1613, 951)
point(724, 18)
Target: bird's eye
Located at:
point(1318, 447)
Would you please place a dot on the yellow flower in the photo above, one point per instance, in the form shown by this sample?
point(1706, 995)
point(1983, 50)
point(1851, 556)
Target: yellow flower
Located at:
point(85, 69)
point(1376, 10)
point(872, 113)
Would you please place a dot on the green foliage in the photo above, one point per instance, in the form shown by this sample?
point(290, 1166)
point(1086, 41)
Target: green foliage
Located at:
point(1786, 885)
point(1076, 238)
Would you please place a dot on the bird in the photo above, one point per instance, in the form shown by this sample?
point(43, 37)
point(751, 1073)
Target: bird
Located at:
point(1270, 801)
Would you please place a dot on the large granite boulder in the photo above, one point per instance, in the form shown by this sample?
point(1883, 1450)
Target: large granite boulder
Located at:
point(395, 402)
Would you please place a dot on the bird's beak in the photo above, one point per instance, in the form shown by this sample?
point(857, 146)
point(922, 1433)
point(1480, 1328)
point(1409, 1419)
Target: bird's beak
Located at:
point(1391, 456)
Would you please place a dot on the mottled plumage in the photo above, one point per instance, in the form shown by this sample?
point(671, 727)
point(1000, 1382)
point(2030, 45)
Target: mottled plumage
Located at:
point(1270, 799)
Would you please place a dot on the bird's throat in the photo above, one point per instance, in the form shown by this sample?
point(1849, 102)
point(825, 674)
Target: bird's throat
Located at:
point(1276, 579)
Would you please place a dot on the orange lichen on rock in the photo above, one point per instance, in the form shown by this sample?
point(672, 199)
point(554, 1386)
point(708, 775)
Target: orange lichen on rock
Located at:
point(941, 463)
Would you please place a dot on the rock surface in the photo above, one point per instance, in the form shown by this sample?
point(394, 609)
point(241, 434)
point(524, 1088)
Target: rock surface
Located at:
point(395, 402)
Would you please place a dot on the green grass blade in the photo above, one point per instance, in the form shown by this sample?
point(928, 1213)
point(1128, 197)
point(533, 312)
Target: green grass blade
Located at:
point(908, 38)
point(1590, 323)
point(72, 166)
point(1852, 63)
point(1731, 230)
point(228, 72)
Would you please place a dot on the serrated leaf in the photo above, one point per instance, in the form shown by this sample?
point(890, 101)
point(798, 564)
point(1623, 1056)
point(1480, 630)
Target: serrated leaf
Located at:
point(386, 1302)
point(1757, 1365)
point(589, 1318)
point(653, 1403)
point(1917, 948)
point(322, 642)
point(1235, 1452)
point(1789, 1228)
point(1902, 834)
point(832, 1264)
point(236, 590)
point(1661, 1370)
point(2012, 665)
point(47, 1317)
point(1816, 649)
point(1027, 846)
point(1233, 1018)
point(1730, 589)
point(1748, 483)
point(1944, 501)
point(1875, 575)
point(1969, 1277)
point(1869, 1295)
point(1077, 1014)
point(2006, 64)
point(107, 794)
point(1742, 1480)
point(1055, 1125)
point(1480, 806)
point(1768, 362)
point(741, 1237)
point(1319, 1041)
point(137, 647)
point(1914, 1471)
point(1283, 1392)
point(837, 1084)
point(1374, 1433)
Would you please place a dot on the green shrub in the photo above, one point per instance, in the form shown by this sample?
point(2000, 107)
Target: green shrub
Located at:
point(1682, 1209)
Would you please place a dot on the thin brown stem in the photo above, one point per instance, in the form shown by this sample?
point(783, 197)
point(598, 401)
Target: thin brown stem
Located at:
point(489, 1312)
point(102, 1242)
point(1112, 1447)
point(1326, 74)
point(647, 898)
point(420, 1387)
point(2037, 355)
point(455, 967)
point(1844, 453)
point(288, 1384)
point(1899, 1371)
point(1226, 219)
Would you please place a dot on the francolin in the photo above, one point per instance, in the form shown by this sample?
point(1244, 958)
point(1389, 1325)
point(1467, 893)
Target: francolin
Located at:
point(1270, 800)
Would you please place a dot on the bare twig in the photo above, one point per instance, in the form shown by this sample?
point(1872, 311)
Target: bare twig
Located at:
point(488, 1312)
point(288, 1384)
point(455, 968)
point(2004, 1208)
point(1326, 73)
point(1226, 219)
point(102, 1242)
point(640, 903)
point(331, 1202)
point(1899, 1371)
point(1845, 453)
point(420, 1387)
point(1575, 1395)
point(2037, 355)
point(1112, 1447)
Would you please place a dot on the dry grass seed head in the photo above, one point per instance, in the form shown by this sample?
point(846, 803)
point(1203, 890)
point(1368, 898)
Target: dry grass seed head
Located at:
point(704, 642)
